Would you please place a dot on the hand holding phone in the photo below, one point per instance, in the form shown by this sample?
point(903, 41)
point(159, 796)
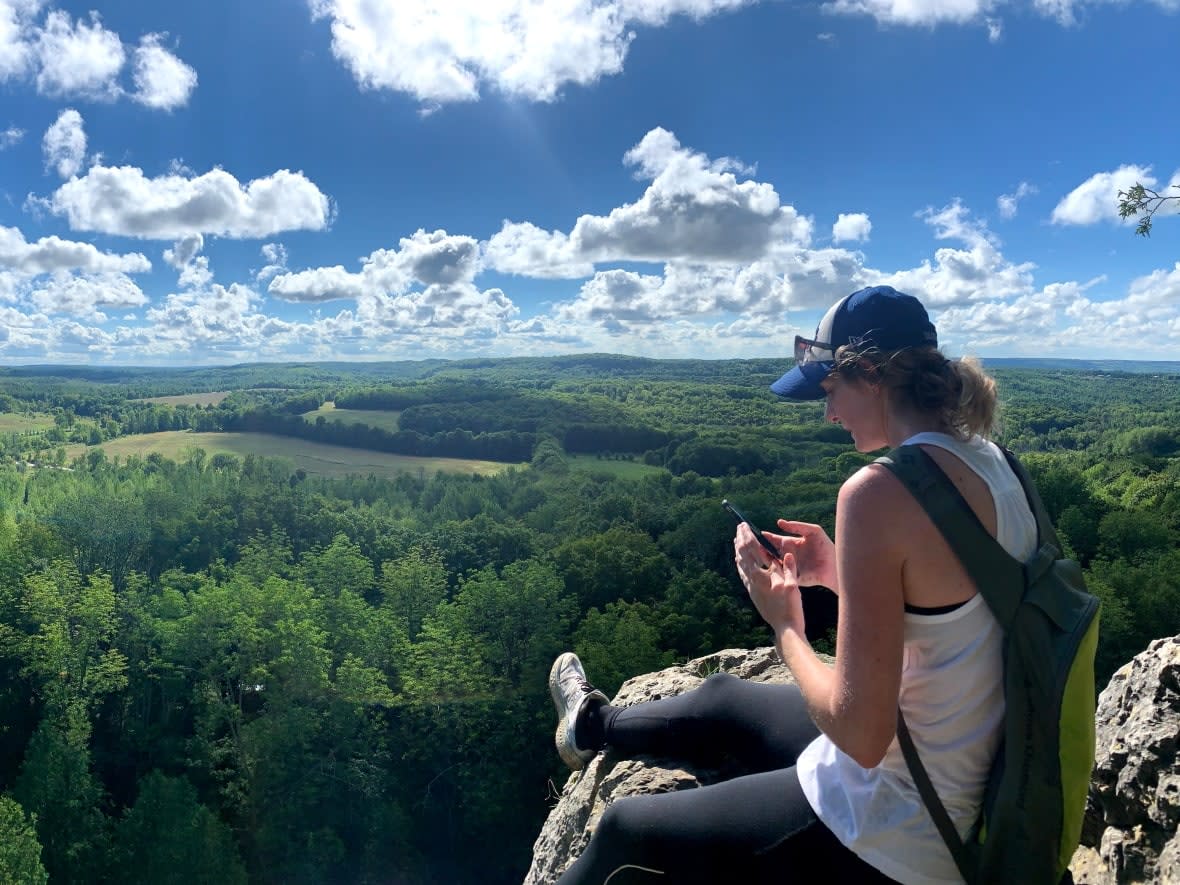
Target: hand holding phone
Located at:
point(740, 518)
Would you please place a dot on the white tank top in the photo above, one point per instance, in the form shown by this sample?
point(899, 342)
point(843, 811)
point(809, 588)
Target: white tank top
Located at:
point(952, 697)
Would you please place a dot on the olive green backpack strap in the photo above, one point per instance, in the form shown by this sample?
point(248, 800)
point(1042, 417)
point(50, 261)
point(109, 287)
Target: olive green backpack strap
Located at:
point(1033, 815)
point(960, 851)
point(1000, 579)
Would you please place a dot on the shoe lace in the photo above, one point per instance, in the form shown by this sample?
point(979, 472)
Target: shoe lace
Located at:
point(579, 682)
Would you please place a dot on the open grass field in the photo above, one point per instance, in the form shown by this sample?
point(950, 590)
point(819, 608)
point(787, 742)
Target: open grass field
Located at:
point(11, 422)
point(371, 417)
point(190, 399)
point(620, 469)
point(317, 459)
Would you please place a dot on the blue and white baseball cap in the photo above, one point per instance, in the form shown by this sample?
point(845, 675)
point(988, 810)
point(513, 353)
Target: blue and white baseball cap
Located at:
point(879, 316)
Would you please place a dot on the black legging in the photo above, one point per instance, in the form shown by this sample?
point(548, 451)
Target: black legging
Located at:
point(751, 828)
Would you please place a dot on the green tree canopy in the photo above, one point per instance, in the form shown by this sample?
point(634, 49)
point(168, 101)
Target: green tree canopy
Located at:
point(20, 852)
point(168, 838)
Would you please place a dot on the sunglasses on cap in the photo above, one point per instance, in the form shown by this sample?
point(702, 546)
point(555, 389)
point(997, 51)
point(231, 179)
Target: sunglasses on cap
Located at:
point(808, 351)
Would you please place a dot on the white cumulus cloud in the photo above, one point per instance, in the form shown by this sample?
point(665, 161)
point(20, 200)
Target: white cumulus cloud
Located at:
point(52, 254)
point(275, 255)
point(185, 257)
point(1097, 198)
point(613, 297)
point(123, 201)
point(23, 334)
point(10, 136)
point(76, 58)
point(81, 58)
point(623, 302)
point(317, 285)
point(852, 228)
point(219, 323)
point(16, 30)
point(439, 258)
point(429, 259)
point(523, 248)
point(162, 80)
point(528, 48)
point(84, 295)
point(1062, 10)
point(64, 144)
point(696, 210)
point(917, 12)
point(1028, 318)
point(428, 282)
point(928, 13)
point(1160, 287)
point(1008, 203)
point(184, 250)
point(1087, 319)
point(979, 272)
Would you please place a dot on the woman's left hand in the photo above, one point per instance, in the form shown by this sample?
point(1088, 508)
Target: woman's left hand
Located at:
point(772, 583)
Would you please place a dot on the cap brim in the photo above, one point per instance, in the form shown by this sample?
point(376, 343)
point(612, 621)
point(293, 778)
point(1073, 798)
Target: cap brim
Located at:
point(802, 382)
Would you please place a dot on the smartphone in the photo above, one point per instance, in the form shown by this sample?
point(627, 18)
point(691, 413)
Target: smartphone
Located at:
point(740, 517)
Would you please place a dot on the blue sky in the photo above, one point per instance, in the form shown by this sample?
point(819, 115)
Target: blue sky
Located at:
point(399, 179)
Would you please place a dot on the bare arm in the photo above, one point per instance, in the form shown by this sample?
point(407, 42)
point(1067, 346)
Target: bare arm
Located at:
point(854, 703)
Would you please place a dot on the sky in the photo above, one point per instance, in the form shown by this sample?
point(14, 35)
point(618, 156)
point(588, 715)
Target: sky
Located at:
point(293, 180)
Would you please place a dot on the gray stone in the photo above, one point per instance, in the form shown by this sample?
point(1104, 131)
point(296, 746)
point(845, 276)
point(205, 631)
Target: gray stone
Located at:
point(1133, 812)
point(608, 776)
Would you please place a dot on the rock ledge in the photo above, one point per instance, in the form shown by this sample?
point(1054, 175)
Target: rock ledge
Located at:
point(1132, 815)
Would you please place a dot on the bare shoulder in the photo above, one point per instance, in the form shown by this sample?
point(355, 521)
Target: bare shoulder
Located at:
point(887, 530)
point(876, 514)
point(873, 489)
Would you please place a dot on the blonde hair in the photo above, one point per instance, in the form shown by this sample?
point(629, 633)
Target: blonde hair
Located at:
point(959, 394)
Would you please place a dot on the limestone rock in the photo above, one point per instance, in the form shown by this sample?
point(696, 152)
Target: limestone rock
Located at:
point(1133, 814)
point(608, 776)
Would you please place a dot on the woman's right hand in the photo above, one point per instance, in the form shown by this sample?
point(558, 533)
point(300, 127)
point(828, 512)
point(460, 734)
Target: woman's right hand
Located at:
point(814, 552)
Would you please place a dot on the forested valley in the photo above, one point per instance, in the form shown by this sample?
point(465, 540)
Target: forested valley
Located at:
point(222, 668)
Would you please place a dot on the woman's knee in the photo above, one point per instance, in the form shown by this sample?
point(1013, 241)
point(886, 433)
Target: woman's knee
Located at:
point(718, 685)
point(641, 836)
point(618, 849)
point(624, 821)
point(719, 696)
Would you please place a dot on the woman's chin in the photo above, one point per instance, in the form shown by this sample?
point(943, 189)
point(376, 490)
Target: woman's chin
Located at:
point(868, 446)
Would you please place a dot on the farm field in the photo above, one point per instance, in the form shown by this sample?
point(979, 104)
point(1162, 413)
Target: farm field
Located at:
point(11, 422)
point(617, 469)
point(190, 399)
point(317, 459)
point(383, 420)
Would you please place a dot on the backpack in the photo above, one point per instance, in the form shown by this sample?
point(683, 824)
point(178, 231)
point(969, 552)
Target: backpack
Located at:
point(1035, 798)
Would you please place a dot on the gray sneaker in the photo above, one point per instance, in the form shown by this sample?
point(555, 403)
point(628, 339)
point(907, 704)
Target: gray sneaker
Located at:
point(571, 693)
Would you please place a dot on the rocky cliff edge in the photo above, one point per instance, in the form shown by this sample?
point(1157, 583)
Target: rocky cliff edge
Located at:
point(1132, 816)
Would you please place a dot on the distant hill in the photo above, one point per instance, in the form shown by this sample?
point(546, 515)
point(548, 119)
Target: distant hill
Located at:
point(1138, 367)
point(164, 380)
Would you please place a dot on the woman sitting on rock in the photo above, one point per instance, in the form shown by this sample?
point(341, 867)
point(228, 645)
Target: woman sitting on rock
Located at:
point(831, 798)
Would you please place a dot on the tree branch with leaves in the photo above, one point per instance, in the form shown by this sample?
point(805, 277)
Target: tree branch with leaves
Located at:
point(1139, 199)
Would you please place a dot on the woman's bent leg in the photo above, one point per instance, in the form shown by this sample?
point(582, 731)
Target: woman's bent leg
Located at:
point(746, 829)
point(763, 726)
